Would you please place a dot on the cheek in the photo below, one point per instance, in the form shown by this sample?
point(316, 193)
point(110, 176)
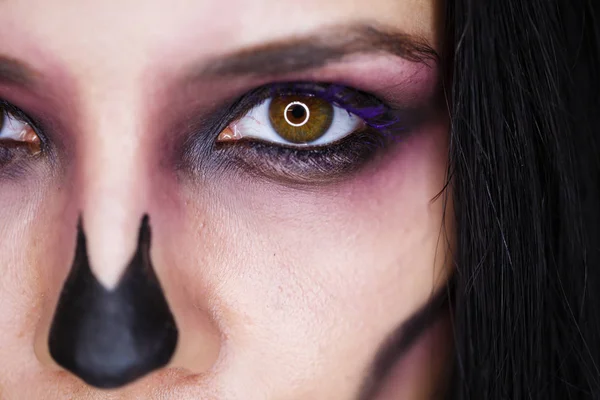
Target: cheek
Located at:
point(309, 282)
point(20, 279)
point(35, 255)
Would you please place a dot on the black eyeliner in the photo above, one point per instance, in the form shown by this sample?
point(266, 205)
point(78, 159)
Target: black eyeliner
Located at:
point(293, 164)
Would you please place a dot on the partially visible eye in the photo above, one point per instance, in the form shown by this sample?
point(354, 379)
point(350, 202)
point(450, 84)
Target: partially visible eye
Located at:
point(15, 132)
point(294, 120)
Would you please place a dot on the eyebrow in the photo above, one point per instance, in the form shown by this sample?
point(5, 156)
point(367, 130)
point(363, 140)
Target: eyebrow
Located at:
point(401, 340)
point(332, 44)
point(16, 72)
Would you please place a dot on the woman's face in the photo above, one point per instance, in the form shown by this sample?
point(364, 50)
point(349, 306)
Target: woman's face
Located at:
point(296, 229)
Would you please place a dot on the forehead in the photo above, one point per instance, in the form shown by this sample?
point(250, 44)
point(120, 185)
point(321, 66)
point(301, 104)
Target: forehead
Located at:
point(120, 36)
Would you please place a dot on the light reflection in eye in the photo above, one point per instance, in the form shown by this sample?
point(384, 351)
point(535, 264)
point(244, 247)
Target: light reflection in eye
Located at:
point(14, 132)
point(294, 120)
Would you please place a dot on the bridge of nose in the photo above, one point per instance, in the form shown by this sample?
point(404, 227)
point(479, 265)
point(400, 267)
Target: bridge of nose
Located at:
point(111, 337)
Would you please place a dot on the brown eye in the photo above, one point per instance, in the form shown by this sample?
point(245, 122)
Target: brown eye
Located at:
point(295, 120)
point(300, 119)
point(16, 133)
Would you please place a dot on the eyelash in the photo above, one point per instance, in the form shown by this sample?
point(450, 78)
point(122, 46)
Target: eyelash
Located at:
point(315, 164)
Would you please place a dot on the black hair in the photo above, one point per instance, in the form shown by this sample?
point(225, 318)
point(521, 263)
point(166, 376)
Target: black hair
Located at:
point(524, 90)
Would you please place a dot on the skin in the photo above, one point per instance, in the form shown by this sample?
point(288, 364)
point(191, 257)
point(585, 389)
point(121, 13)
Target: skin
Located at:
point(279, 291)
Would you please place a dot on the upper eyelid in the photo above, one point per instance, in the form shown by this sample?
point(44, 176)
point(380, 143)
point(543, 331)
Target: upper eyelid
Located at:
point(256, 96)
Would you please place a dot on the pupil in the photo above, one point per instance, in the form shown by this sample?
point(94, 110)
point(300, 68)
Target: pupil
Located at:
point(297, 112)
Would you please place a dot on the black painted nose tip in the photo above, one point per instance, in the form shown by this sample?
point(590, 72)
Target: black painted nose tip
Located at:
point(110, 338)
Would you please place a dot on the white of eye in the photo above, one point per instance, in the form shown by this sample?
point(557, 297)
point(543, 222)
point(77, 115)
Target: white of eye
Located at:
point(256, 124)
point(13, 128)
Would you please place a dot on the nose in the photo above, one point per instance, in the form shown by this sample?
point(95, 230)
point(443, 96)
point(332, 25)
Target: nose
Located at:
point(112, 336)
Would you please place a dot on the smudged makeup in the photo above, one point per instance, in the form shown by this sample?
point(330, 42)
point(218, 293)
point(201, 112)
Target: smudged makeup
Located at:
point(359, 127)
point(370, 114)
point(363, 127)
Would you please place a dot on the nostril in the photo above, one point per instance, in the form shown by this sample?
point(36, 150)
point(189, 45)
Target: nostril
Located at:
point(111, 337)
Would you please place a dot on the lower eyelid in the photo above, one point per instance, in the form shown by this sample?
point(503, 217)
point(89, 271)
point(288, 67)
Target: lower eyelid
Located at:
point(301, 165)
point(16, 163)
point(6, 156)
